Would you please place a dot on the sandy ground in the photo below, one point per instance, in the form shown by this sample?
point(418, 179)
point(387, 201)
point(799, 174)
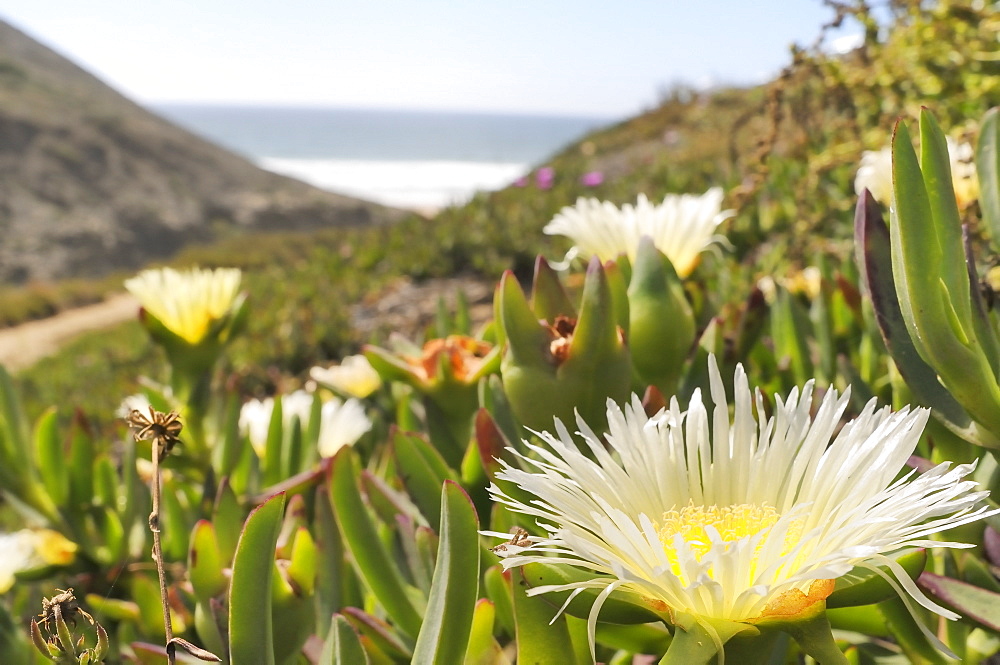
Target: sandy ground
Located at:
point(23, 345)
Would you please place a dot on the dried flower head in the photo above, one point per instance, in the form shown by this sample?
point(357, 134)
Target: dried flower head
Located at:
point(65, 605)
point(58, 643)
point(161, 428)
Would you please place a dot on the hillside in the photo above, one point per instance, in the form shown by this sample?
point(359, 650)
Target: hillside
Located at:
point(90, 182)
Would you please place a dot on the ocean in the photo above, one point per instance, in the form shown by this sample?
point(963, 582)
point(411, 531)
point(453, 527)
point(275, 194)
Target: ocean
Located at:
point(410, 159)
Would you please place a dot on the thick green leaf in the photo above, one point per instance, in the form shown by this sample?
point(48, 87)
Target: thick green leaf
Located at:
point(790, 330)
point(932, 279)
point(205, 562)
point(293, 616)
point(229, 448)
point(51, 457)
point(422, 470)
point(988, 170)
point(227, 520)
point(105, 483)
point(303, 561)
point(378, 636)
point(483, 647)
point(14, 433)
point(548, 297)
point(498, 591)
point(330, 565)
point(638, 638)
point(661, 321)
point(541, 640)
point(271, 464)
point(174, 524)
point(620, 607)
point(935, 164)
point(251, 639)
point(972, 602)
point(444, 635)
point(865, 619)
point(861, 586)
point(342, 646)
point(374, 564)
point(907, 633)
point(874, 258)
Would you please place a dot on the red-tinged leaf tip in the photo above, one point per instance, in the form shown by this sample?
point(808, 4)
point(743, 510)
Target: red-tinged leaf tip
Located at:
point(972, 602)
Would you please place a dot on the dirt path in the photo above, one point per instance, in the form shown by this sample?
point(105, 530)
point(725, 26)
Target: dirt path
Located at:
point(23, 345)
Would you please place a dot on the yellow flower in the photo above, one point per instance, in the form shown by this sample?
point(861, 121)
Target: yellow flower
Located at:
point(741, 521)
point(32, 548)
point(680, 227)
point(187, 302)
point(354, 377)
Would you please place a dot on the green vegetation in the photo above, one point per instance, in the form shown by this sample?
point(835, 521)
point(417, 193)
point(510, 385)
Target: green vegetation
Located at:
point(374, 550)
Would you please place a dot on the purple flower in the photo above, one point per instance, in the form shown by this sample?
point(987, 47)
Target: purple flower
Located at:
point(521, 182)
point(544, 177)
point(592, 179)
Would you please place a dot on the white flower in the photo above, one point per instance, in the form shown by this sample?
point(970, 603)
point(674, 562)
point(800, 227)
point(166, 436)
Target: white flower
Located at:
point(737, 520)
point(187, 302)
point(342, 425)
point(32, 548)
point(680, 227)
point(255, 416)
point(875, 174)
point(355, 376)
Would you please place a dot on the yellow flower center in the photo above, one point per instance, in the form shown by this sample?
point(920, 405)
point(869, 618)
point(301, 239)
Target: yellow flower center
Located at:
point(731, 523)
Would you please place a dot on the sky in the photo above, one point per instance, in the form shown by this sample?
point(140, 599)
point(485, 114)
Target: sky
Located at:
point(583, 57)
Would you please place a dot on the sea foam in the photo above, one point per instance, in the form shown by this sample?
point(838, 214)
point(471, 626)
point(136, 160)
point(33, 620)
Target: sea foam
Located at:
point(421, 185)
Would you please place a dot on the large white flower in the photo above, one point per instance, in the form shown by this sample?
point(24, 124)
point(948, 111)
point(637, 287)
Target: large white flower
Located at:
point(186, 302)
point(680, 227)
point(354, 376)
point(875, 174)
point(738, 520)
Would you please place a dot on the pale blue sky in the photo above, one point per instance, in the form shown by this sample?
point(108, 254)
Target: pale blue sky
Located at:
point(585, 57)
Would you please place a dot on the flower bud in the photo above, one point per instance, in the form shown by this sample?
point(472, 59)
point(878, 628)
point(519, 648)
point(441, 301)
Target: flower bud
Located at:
point(661, 323)
point(553, 367)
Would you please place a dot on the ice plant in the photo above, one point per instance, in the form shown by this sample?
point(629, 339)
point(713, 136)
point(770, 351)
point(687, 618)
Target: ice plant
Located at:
point(354, 377)
point(187, 303)
point(559, 359)
point(731, 526)
point(32, 549)
point(680, 227)
point(342, 424)
point(875, 173)
point(446, 372)
point(192, 314)
point(255, 416)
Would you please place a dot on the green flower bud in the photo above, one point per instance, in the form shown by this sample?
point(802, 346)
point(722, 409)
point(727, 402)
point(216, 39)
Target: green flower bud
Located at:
point(661, 322)
point(553, 367)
